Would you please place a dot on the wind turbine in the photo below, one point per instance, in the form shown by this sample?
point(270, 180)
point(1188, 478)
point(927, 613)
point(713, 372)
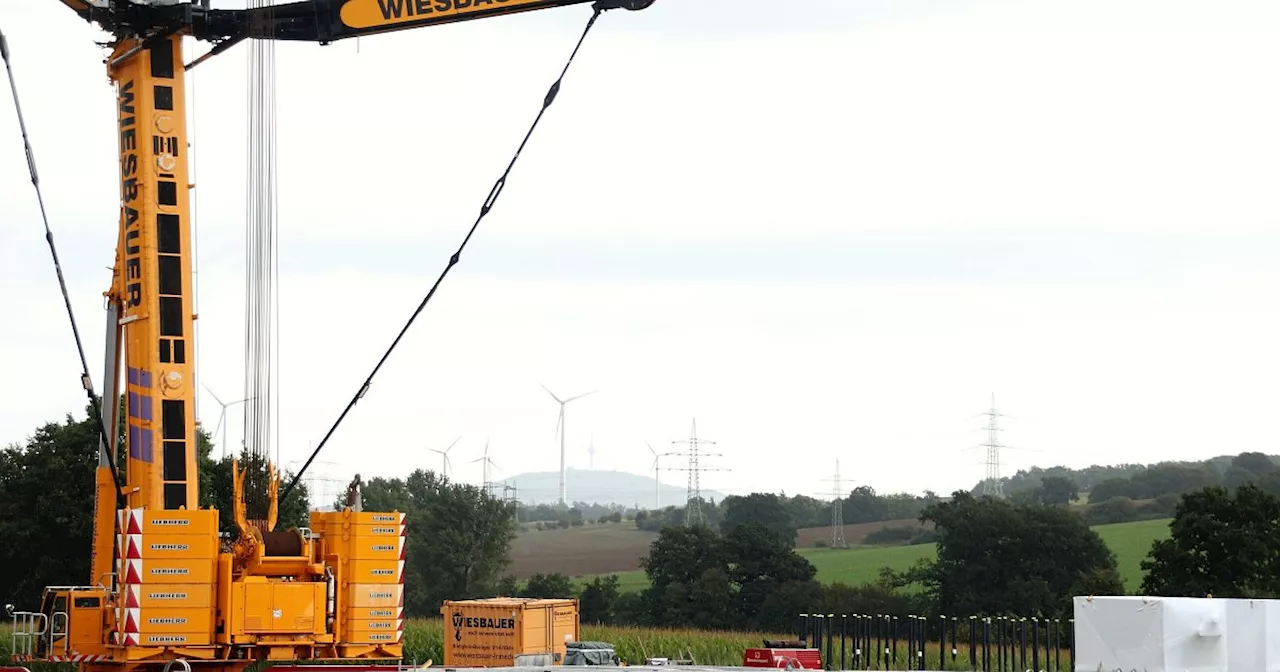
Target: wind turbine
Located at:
point(560, 428)
point(657, 485)
point(486, 464)
point(222, 418)
point(445, 454)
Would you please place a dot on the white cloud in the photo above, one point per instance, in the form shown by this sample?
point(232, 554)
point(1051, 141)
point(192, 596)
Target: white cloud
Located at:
point(878, 148)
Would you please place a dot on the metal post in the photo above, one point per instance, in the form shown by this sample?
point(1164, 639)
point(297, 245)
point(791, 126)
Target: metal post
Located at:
point(1057, 645)
point(1035, 643)
point(844, 630)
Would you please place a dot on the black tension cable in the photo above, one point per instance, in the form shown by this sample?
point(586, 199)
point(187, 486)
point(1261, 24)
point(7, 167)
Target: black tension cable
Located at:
point(597, 8)
point(85, 380)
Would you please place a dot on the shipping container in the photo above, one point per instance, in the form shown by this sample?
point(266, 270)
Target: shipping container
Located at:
point(492, 632)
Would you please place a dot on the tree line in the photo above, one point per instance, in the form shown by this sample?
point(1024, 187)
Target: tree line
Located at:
point(862, 505)
point(1149, 482)
point(47, 499)
point(1024, 555)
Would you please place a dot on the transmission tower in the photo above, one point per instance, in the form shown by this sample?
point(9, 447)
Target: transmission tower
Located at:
point(511, 496)
point(837, 510)
point(693, 514)
point(992, 485)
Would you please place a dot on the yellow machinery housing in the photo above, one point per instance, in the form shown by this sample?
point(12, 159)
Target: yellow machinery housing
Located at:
point(166, 590)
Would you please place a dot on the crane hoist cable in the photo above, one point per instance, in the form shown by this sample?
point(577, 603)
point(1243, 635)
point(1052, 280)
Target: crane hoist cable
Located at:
point(489, 201)
point(85, 379)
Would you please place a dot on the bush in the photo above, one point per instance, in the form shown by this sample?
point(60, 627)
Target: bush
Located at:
point(901, 535)
point(1114, 510)
point(896, 534)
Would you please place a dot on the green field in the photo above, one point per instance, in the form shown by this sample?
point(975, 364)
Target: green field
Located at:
point(855, 566)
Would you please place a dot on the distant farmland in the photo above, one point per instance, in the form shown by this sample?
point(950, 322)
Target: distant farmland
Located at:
point(853, 534)
point(1129, 541)
point(590, 549)
point(615, 548)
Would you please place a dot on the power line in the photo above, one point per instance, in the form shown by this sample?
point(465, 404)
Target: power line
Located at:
point(693, 514)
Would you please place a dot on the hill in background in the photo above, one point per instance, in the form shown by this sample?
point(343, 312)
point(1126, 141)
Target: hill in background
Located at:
point(598, 487)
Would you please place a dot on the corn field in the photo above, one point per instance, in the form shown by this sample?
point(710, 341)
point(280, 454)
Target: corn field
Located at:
point(424, 640)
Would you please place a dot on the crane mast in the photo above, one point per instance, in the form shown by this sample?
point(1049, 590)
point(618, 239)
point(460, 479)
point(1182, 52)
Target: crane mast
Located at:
point(166, 587)
point(155, 304)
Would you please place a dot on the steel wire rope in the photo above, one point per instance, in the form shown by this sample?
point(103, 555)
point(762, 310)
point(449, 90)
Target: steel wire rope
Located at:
point(85, 379)
point(261, 253)
point(489, 201)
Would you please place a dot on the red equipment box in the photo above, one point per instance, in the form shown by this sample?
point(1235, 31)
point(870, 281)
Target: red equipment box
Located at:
point(807, 659)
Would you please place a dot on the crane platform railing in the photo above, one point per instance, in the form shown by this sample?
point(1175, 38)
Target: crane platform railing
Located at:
point(28, 628)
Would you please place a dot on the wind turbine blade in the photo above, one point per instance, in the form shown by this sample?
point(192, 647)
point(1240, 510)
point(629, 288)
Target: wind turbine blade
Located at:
point(580, 396)
point(215, 397)
point(455, 442)
point(553, 394)
point(655, 453)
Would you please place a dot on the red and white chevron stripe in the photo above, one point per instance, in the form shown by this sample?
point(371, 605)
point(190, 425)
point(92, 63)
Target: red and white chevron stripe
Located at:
point(133, 571)
point(135, 521)
point(132, 617)
point(79, 658)
point(132, 596)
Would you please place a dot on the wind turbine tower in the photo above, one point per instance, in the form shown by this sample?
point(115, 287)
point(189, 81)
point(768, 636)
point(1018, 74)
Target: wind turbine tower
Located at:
point(444, 454)
point(487, 464)
point(992, 485)
point(657, 485)
point(560, 428)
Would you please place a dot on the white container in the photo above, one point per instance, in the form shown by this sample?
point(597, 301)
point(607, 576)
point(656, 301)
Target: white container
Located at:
point(1153, 634)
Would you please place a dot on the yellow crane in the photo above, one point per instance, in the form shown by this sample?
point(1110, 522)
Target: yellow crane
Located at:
point(166, 592)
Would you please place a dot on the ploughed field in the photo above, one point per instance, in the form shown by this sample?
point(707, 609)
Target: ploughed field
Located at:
point(607, 548)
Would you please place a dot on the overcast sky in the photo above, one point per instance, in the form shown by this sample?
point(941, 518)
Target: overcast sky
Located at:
point(828, 229)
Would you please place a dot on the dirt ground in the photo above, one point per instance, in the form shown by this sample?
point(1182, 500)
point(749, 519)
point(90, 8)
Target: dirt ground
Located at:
point(591, 549)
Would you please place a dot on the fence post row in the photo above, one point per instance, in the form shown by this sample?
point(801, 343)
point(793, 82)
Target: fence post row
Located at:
point(994, 644)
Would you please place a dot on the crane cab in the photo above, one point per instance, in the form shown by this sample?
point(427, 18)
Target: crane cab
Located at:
point(68, 628)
